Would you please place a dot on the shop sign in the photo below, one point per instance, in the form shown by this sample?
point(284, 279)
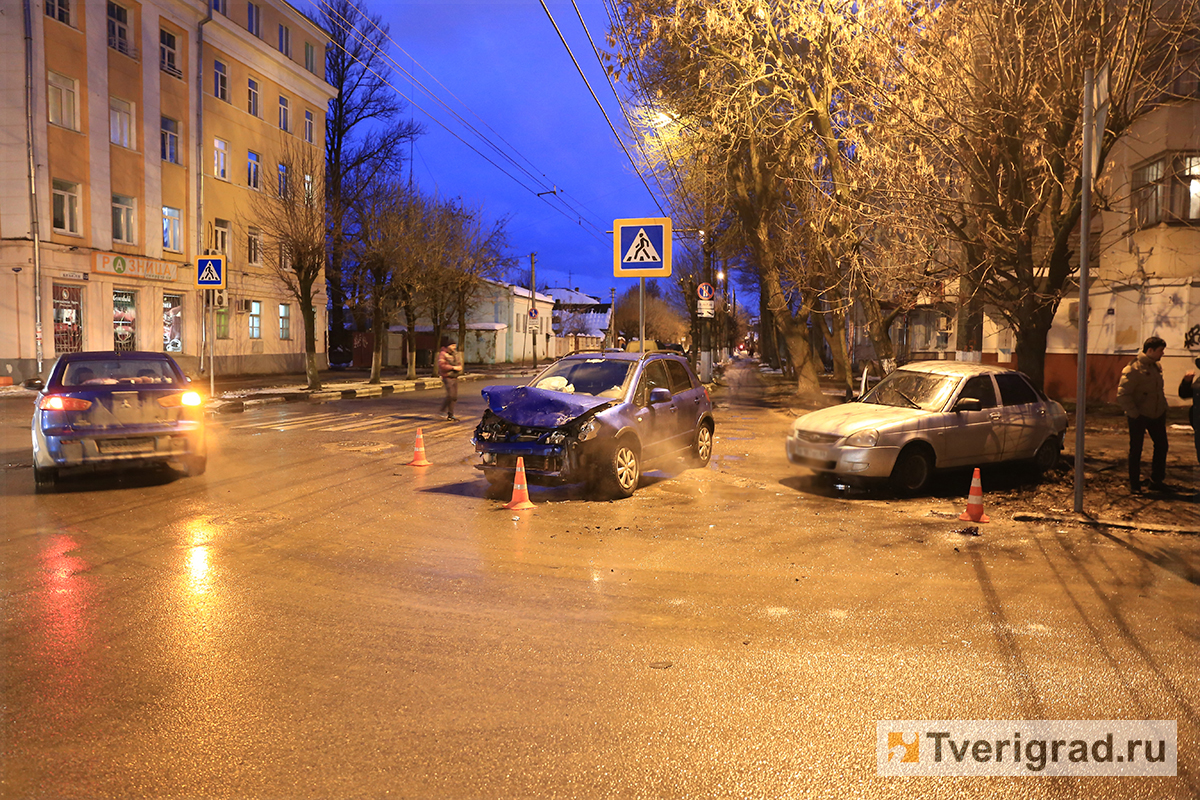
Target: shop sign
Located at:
point(134, 267)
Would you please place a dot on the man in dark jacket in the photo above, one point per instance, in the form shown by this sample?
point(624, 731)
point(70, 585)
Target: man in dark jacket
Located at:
point(1140, 395)
point(1190, 387)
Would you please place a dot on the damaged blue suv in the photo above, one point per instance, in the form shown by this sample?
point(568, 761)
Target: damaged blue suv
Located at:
point(597, 418)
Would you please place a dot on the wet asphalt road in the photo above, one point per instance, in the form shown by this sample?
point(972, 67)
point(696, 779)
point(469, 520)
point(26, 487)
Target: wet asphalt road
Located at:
point(312, 618)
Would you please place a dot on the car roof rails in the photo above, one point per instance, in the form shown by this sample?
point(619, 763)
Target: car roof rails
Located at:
point(594, 350)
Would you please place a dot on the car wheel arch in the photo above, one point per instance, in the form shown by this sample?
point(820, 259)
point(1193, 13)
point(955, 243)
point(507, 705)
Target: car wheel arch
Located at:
point(915, 453)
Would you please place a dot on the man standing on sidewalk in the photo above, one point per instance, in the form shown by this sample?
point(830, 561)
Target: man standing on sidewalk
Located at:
point(449, 365)
point(1140, 395)
point(1190, 387)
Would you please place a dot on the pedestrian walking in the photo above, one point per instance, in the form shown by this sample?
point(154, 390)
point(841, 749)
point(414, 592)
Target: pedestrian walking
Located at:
point(1190, 387)
point(1140, 395)
point(449, 365)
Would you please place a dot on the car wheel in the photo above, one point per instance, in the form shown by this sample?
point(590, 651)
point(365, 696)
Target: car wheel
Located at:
point(195, 465)
point(702, 446)
point(624, 470)
point(1046, 457)
point(44, 479)
point(913, 469)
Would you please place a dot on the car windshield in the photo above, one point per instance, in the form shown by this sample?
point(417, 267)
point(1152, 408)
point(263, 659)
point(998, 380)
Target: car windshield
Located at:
point(103, 373)
point(601, 377)
point(906, 389)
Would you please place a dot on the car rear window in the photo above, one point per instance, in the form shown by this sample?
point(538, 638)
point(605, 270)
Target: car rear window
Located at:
point(1015, 390)
point(677, 372)
point(152, 372)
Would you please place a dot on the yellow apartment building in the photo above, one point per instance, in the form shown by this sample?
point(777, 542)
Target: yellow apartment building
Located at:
point(134, 138)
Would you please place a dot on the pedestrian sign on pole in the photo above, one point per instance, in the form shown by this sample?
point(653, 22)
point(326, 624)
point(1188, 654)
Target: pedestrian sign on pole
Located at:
point(642, 247)
point(210, 272)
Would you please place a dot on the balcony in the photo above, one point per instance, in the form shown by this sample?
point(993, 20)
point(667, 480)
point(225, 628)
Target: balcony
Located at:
point(121, 45)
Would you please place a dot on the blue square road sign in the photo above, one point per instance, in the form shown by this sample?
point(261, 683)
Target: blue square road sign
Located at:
point(642, 247)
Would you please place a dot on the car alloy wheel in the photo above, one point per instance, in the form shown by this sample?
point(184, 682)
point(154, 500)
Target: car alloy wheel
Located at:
point(702, 448)
point(626, 470)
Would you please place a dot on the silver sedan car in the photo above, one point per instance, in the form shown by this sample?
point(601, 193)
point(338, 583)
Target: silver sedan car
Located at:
point(931, 415)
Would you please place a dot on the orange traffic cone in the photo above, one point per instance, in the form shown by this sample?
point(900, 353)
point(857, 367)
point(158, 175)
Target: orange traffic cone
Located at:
point(419, 459)
point(520, 498)
point(974, 512)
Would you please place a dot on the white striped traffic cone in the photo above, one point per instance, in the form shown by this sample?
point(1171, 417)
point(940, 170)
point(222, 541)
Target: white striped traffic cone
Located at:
point(974, 512)
point(419, 459)
point(520, 498)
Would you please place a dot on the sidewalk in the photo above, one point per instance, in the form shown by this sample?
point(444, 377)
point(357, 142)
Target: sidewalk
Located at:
point(236, 393)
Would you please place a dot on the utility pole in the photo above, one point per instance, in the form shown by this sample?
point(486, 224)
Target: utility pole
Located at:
point(612, 317)
point(532, 303)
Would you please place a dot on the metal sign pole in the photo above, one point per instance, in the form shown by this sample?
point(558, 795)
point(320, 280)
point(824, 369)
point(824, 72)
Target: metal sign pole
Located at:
point(1085, 223)
point(642, 314)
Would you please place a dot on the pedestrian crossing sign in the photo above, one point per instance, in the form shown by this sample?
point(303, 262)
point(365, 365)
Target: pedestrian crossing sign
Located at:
point(210, 272)
point(642, 247)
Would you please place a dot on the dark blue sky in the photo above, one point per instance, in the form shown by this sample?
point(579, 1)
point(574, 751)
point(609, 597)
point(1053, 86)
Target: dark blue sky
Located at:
point(505, 62)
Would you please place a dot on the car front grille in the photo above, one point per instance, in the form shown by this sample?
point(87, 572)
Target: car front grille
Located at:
point(812, 437)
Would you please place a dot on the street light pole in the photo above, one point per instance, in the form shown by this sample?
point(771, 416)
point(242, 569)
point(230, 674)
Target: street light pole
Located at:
point(532, 303)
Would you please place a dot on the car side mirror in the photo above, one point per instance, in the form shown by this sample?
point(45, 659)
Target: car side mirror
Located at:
point(33, 383)
point(660, 396)
point(968, 404)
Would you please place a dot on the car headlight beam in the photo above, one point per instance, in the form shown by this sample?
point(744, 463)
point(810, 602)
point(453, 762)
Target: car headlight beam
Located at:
point(867, 438)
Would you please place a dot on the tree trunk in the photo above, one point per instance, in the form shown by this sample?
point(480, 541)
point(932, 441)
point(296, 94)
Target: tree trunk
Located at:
point(410, 340)
point(378, 334)
point(1031, 339)
point(795, 335)
point(310, 336)
point(877, 326)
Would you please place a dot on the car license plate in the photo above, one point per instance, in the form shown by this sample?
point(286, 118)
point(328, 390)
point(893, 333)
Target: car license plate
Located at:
point(117, 446)
point(811, 452)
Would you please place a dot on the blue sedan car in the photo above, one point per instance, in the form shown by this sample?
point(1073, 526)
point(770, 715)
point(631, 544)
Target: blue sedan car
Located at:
point(112, 410)
point(596, 417)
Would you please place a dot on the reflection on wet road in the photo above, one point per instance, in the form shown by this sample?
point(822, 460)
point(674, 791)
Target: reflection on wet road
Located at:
point(315, 618)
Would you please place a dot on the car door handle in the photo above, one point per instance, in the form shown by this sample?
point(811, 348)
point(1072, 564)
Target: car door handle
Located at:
point(995, 415)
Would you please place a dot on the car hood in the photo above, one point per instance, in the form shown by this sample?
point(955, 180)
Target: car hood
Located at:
point(852, 417)
point(539, 408)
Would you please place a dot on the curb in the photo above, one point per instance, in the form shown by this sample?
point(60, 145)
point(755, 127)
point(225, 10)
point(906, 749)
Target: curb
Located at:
point(1083, 519)
point(220, 405)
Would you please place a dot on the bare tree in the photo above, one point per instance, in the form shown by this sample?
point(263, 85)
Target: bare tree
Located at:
point(364, 136)
point(993, 112)
point(778, 98)
point(291, 218)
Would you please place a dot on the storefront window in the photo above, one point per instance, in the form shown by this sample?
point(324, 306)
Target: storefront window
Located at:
point(68, 319)
point(124, 320)
point(172, 323)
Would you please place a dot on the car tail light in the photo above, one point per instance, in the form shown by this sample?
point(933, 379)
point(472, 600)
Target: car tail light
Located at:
point(57, 402)
point(177, 400)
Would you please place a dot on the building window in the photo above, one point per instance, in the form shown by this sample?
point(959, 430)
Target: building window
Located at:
point(285, 321)
point(118, 29)
point(221, 6)
point(220, 81)
point(124, 319)
point(120, 121)
point(169, 139)
point(255, 319)
point(59, 10)
point(254, 19)
point(173, 323)
point(66, 207)
point(64, 101)
point(283, 180)
point(1167, 190)
point(221, 159)
point(252, 97)
point(310, 57)
point(1185, 189)
point(309, 197)
point(285, 40)
point(252, 169)
point(172, 229)
point(168, 53)
point(222, 322)
point(308, 126)
point(68, 318)
point(254, 246)
point(122, 219)
point(220, 240)
point(285, 115)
